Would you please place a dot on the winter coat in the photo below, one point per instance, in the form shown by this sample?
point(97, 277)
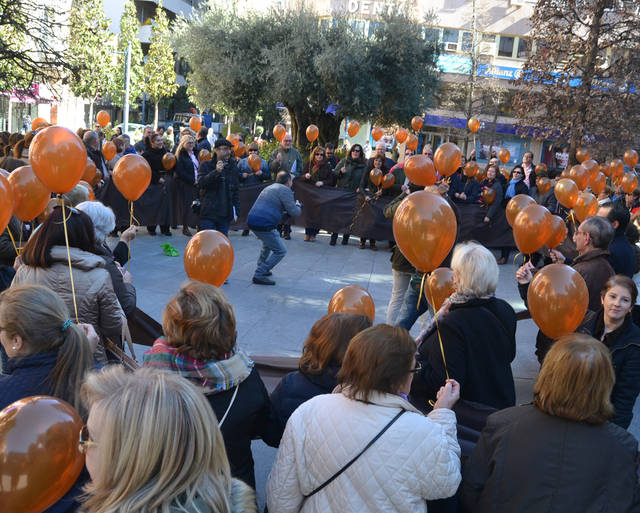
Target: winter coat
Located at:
point(154, 158)
point(548, 200)
point(184, 170)
point(203, 144)
point(298, 387)
point(594, 267)
point(290, 160)
point(125, 292)
point(218, 190)
point(244, 167)
point(98, 159)
point(624, 344)
point(7, 249)
point(496, 206)
point(27, 376)
point(521, 188)
point(464, 184)
point(527, 462)
point(273, 201)
point(352, 175)
point(369, 188)
point(415, 460)
point(479, 340)
point(96, 300)
point(622, 256)
point(241, 500)
point(321, 174)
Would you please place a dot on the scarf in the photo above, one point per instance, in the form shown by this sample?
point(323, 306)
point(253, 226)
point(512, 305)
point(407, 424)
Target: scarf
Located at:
point(511, 188)
point(214, 376)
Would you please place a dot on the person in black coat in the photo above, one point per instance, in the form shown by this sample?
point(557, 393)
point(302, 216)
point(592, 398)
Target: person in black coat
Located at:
point(477, 331)
point(218, 181)
point(92, 144)
point(319, 173)
point(464, 189)
point(614, 326)
point(559, 453)
point(492, 182)
point(186, 171)
point(622, 256)
point(199, 343)
point(157, 197)
point(202, 143)
point(319, 364)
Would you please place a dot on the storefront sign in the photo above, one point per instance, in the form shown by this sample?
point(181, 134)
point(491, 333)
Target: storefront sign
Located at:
point(375, 8)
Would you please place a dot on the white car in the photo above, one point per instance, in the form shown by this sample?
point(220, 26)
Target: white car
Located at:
point(135, 131)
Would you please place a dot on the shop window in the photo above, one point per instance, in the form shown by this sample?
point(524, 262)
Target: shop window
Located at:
point(450, 36)
point(467, 42)
point(523, 50)
point(505, 48)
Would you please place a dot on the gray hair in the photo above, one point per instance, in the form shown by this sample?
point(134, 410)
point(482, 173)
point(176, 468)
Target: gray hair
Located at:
point(600, 231)
point(103, 218)
point(476, 270)
point(90, 137)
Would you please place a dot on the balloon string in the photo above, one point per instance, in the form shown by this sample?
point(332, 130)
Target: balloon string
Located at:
point(424, 275)
point(13, 241)
point(516, 257)
point(132, 218)
point(66, 240)
point(435, 316)
point(20, 237)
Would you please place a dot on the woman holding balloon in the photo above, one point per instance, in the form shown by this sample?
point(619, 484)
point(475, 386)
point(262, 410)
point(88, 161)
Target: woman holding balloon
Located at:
point(317, 172)
point(158, 191)
point(376, 169)
point(492, 183)
point(348, 174)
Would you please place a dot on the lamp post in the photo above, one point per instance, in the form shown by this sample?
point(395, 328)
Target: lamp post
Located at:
point(125, 110)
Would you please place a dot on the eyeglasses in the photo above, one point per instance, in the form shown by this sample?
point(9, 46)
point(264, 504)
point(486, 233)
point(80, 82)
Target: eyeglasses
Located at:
point(253, 151)
point(518, 173)
point(417, 368)
point(83, 439)
point(355, 151)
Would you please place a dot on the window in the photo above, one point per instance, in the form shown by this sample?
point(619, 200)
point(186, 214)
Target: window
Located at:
point(523, 51)
point(432, 34)
point(506, 46)
point(450, 36)
point(467, 41)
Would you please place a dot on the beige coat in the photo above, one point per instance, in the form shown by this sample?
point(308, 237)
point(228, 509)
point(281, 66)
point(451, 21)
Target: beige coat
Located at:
point(96, 300)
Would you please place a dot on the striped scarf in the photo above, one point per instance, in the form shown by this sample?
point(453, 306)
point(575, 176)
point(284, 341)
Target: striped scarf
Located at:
point(213, 375)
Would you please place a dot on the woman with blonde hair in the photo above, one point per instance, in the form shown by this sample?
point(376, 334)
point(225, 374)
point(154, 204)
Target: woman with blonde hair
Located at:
point(199, 343)
point(186, 172)
point(153, 445)
point(559, 453)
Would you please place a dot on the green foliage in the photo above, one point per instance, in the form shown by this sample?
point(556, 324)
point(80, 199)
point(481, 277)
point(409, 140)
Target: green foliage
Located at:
point(128, 33)
point(91, 50)
point(267, 149)
point(159, 65)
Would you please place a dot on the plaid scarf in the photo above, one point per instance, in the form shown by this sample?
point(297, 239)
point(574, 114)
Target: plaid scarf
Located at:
point(213, 375)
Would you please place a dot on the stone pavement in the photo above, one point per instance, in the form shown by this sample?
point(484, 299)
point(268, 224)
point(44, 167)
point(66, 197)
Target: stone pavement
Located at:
point(276, 319)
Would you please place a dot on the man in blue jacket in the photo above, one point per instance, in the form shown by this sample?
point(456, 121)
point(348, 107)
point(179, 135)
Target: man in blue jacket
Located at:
point(264, 216)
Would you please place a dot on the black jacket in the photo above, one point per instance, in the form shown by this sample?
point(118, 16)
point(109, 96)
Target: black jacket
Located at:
point(528, 462)
point(622, 256)
point(203, 144)
point(218, 190)
point(469, 185)
point(184, 168)
point(7, 249)
point(479, 340)
point(98, 160)
point(521, 188)
point(297, 387)
point(154, 158)
point(251, 416)
point(496, 206)
point(624, 344)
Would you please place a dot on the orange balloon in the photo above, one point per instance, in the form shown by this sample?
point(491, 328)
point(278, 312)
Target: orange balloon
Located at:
point(616, 180)
point(566, 192)
point(541, 169)
point(208, 257)
point(424, 228)
point(439, 286)
point(516, 205)
point(420, 170)
point(103, 118)
point(488, 196)
point(605, 169)
point(447, 159)
point(204, 155)
point(375, 175)
point(504, 155)
point(30, 196)
point(38, 123)
point(376, 133)
point(353, 299)
point(629, 182)
point(353, 128)
point(558, 232)
point(481, 174)
point(89, 171)
point(580, 176)
point(557, 299)
point(279, 132)
point(132, 176)
point(565, 174)
point(401, 135)
point(168, 161)
point(617, 167)
point(39, 455)
point(473, 124)
point(598, 183)
point(195, 123)
point(4, 173)
point(58, 158)
point(543, 184)
point(630, 158)
point(417, 122)
point(586, 206)
point(470, 168)
point(505, 172)
point(240, 150)
point(234, 139)
point(6, 202)
point(254, 162)
point(582, 154)
point(412, 142)
point(92, 195)
point(109, 150)
point(312, 133)
point(388, 180)
point(592, 167)
point(532, 228)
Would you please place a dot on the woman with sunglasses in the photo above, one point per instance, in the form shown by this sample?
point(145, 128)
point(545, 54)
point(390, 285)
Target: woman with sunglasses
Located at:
point(407, 458)
point(317, 172)
point(514, 187)
point(348, 175)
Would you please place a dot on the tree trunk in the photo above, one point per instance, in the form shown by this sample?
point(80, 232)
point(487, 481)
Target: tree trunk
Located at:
point(155, 116)
point(90, 124)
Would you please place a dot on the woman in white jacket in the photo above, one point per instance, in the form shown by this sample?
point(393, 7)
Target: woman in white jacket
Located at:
point(326, 461)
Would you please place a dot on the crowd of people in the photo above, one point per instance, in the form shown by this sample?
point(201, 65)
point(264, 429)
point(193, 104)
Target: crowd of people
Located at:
point(372, 420)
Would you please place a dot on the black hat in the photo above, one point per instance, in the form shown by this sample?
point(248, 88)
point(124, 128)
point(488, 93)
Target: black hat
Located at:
point(221, 141)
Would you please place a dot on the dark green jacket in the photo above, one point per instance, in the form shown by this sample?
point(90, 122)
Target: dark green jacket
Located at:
point(353, 170)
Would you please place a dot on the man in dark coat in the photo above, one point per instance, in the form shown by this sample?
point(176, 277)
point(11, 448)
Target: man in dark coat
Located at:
point(92, 144)
point(202, 142)
point(218, 184)
point(622, 255)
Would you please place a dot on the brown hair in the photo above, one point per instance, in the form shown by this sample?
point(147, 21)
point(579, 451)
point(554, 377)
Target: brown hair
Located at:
point(377, 360)
point(622, 281)
point(576, 380)
point(328, 340)
point(37, 315)
point(199, 322)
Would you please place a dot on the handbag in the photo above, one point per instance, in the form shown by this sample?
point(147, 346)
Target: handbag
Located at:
point(128, 362)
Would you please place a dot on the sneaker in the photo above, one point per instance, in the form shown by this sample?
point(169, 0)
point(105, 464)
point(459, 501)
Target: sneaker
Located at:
point(263, 281)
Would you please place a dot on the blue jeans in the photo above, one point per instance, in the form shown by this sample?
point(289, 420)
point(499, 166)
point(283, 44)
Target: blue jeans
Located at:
point(222, 225)
point(410, 310)
point(273, 250)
